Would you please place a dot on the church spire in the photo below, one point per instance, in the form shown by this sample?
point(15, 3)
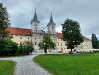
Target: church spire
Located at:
point(51, 19)
point(35, 16)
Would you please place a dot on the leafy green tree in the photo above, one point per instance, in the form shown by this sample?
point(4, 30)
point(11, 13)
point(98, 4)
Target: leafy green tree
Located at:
point(72, 33)
point(95, 43)
point(8, 47)
point(20, 50)
point(46, 43)
point(4, 22)
point(25, 48)
point(29, 45)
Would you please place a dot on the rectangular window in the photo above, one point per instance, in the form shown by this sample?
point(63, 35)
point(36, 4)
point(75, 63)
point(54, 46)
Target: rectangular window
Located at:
point(58, 43)
point(35, 43)
point(58, 48)
point(28, 38)
point(20, 42)
point(12, 37)
point(20, 37)
point(61, 44)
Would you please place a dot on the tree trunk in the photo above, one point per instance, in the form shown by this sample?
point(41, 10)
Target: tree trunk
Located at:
point(45, 51)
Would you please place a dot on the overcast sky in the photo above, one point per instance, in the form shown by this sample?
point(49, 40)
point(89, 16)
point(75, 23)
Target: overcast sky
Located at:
point(86, 12)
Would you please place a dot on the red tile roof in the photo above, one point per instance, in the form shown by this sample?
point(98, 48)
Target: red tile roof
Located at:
point(60, 35)
point(85, 38)
point(27, 32)
point(19, 31)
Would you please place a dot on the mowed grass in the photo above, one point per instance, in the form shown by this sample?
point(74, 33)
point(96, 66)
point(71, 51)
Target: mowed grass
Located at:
point(7, 67)
point(81, 64)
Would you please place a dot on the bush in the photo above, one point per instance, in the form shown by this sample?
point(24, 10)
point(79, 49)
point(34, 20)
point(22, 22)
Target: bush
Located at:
point(90, 52)
point(29, 46)
point(8, 47)
point(21, 50)
point(94, 51)
point(25, 48)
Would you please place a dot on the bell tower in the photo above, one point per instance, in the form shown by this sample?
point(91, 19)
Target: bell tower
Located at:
point(51, 26)
point(35, 24)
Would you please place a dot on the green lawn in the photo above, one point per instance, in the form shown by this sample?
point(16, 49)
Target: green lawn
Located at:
point(7, 67)
point(81, 64)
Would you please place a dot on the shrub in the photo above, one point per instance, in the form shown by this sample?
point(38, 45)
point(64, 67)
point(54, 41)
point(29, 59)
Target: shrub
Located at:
point(90, 52)
point(29, 46)
point(8, 47)
point(25, 48)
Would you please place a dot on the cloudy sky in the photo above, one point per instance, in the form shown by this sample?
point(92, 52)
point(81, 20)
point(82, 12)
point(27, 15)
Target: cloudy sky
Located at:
point(86, 12)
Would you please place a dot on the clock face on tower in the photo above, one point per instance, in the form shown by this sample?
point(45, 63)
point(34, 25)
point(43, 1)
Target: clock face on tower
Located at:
point(35, 24)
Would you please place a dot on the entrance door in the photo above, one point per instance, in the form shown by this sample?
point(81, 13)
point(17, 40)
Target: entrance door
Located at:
point(62, 49)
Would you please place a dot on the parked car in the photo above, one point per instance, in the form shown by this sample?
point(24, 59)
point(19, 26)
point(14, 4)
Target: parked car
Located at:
point(77, 52)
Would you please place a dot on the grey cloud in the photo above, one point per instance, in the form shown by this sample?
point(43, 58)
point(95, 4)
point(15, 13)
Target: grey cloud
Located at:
point(21, 13)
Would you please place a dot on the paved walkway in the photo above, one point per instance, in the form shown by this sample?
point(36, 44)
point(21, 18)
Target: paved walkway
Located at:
point(25, 66)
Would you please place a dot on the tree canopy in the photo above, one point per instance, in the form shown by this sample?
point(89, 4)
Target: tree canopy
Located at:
point(4, 21)
point(72, 33)
point(29, 46)
point(46, 43)
point(8, 47)
point(95, 43)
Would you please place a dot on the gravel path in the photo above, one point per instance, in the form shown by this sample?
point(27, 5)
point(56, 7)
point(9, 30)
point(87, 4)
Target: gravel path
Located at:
point(25, 66)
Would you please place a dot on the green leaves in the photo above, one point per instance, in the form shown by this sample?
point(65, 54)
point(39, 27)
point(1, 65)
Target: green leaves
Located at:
point(25, 48)
point(4, 21)
point(46, 43)
point(8, 47)
point(95, 43)
point(71, 33)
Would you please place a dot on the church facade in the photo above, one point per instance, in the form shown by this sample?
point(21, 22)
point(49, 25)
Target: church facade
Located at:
point(35, 35)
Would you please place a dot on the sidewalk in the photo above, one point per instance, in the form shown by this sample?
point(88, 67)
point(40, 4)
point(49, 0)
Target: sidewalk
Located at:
point(26, 66)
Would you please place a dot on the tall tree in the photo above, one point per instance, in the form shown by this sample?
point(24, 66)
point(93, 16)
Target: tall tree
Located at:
point(4, 21)
point(8, 47)
point(94, 41)
point(46, 43)
point(29, 45)
point(71, 33)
